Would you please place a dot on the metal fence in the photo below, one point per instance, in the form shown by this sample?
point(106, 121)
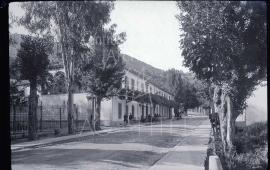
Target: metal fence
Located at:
point(49, 119)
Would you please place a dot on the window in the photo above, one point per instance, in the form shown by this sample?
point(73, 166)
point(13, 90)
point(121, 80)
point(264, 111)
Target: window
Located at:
point(119, 110)
point(146, 109)
point(150, 89)
point(132, 84)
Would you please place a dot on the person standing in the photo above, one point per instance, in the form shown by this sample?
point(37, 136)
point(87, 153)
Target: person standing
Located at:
point(130, 117)
point(125, 119)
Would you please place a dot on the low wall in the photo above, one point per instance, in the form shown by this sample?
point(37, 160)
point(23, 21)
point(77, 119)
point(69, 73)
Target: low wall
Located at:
point(84, 106)
point(214, 163)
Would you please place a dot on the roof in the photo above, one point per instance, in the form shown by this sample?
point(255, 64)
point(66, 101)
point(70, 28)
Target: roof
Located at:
point(151, 82)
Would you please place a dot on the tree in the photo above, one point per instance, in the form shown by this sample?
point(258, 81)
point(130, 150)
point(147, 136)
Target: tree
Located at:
point(73, 23)
point(174, 79)
point(32, 63)
point(186, 96)
point(103, 71)
point(224, 43)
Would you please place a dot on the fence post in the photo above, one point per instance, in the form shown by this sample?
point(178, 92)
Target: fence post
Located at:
point(60, 118)
point(40, 122)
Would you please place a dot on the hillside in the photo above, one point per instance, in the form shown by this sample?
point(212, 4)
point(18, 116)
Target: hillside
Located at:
point(160, 77)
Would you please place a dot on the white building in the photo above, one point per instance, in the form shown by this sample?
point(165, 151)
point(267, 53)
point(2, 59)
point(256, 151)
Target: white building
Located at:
point(113, 110)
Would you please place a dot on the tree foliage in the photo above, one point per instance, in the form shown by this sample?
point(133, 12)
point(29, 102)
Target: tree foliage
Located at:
point(225, 42)
point(32, 60)
point(73, 23)
point(186, 95)
point(103, 70)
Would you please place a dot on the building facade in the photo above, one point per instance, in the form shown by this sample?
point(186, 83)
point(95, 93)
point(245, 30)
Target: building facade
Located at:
point(113, 110)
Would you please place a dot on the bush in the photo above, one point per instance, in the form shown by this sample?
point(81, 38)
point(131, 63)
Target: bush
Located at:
point(256, 160)
point(250, 152)
point(252, 137)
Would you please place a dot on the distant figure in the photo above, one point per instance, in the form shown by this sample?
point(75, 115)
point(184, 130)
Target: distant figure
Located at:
point(91, 122)
point(215, 122)
point(211, 121)
point(126, 119)
point(130, 117)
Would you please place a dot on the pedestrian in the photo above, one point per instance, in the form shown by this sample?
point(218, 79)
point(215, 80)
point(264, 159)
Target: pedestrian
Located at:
point(130, 117)
point(217, 122)
point(211, 121)
point(126, 119)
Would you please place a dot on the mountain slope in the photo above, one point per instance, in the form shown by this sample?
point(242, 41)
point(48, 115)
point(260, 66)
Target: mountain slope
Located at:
point(162, 78)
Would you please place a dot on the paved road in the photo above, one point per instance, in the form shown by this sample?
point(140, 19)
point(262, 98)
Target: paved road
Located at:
point(159, 146)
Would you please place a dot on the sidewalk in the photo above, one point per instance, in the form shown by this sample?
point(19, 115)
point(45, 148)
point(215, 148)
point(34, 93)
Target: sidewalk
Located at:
point(189, 154)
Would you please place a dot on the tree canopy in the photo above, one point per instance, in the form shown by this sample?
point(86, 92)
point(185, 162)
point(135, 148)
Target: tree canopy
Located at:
point(225, 42)
point(73, 23)
point(32, 60)
point(103, 70)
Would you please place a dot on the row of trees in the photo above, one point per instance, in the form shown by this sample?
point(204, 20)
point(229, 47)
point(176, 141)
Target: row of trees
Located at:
point(224, 44)
point(89, 51)
point(189, 91)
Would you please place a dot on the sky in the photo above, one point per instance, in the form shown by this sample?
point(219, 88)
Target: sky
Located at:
point(151, 27)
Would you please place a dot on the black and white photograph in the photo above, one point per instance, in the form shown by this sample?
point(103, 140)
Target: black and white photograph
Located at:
point(148, 85)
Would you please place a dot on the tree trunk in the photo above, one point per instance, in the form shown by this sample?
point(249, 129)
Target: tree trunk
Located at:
point(230, 124)
point(32, 112)
point(219, 103)
point(212, 107)
point(92, 115)
point(97, 117)
point(70, 110)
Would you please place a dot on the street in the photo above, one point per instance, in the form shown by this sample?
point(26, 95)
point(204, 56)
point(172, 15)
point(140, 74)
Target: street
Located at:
point(177, 142)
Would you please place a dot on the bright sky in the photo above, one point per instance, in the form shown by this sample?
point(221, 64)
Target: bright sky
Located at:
point(151, 27)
